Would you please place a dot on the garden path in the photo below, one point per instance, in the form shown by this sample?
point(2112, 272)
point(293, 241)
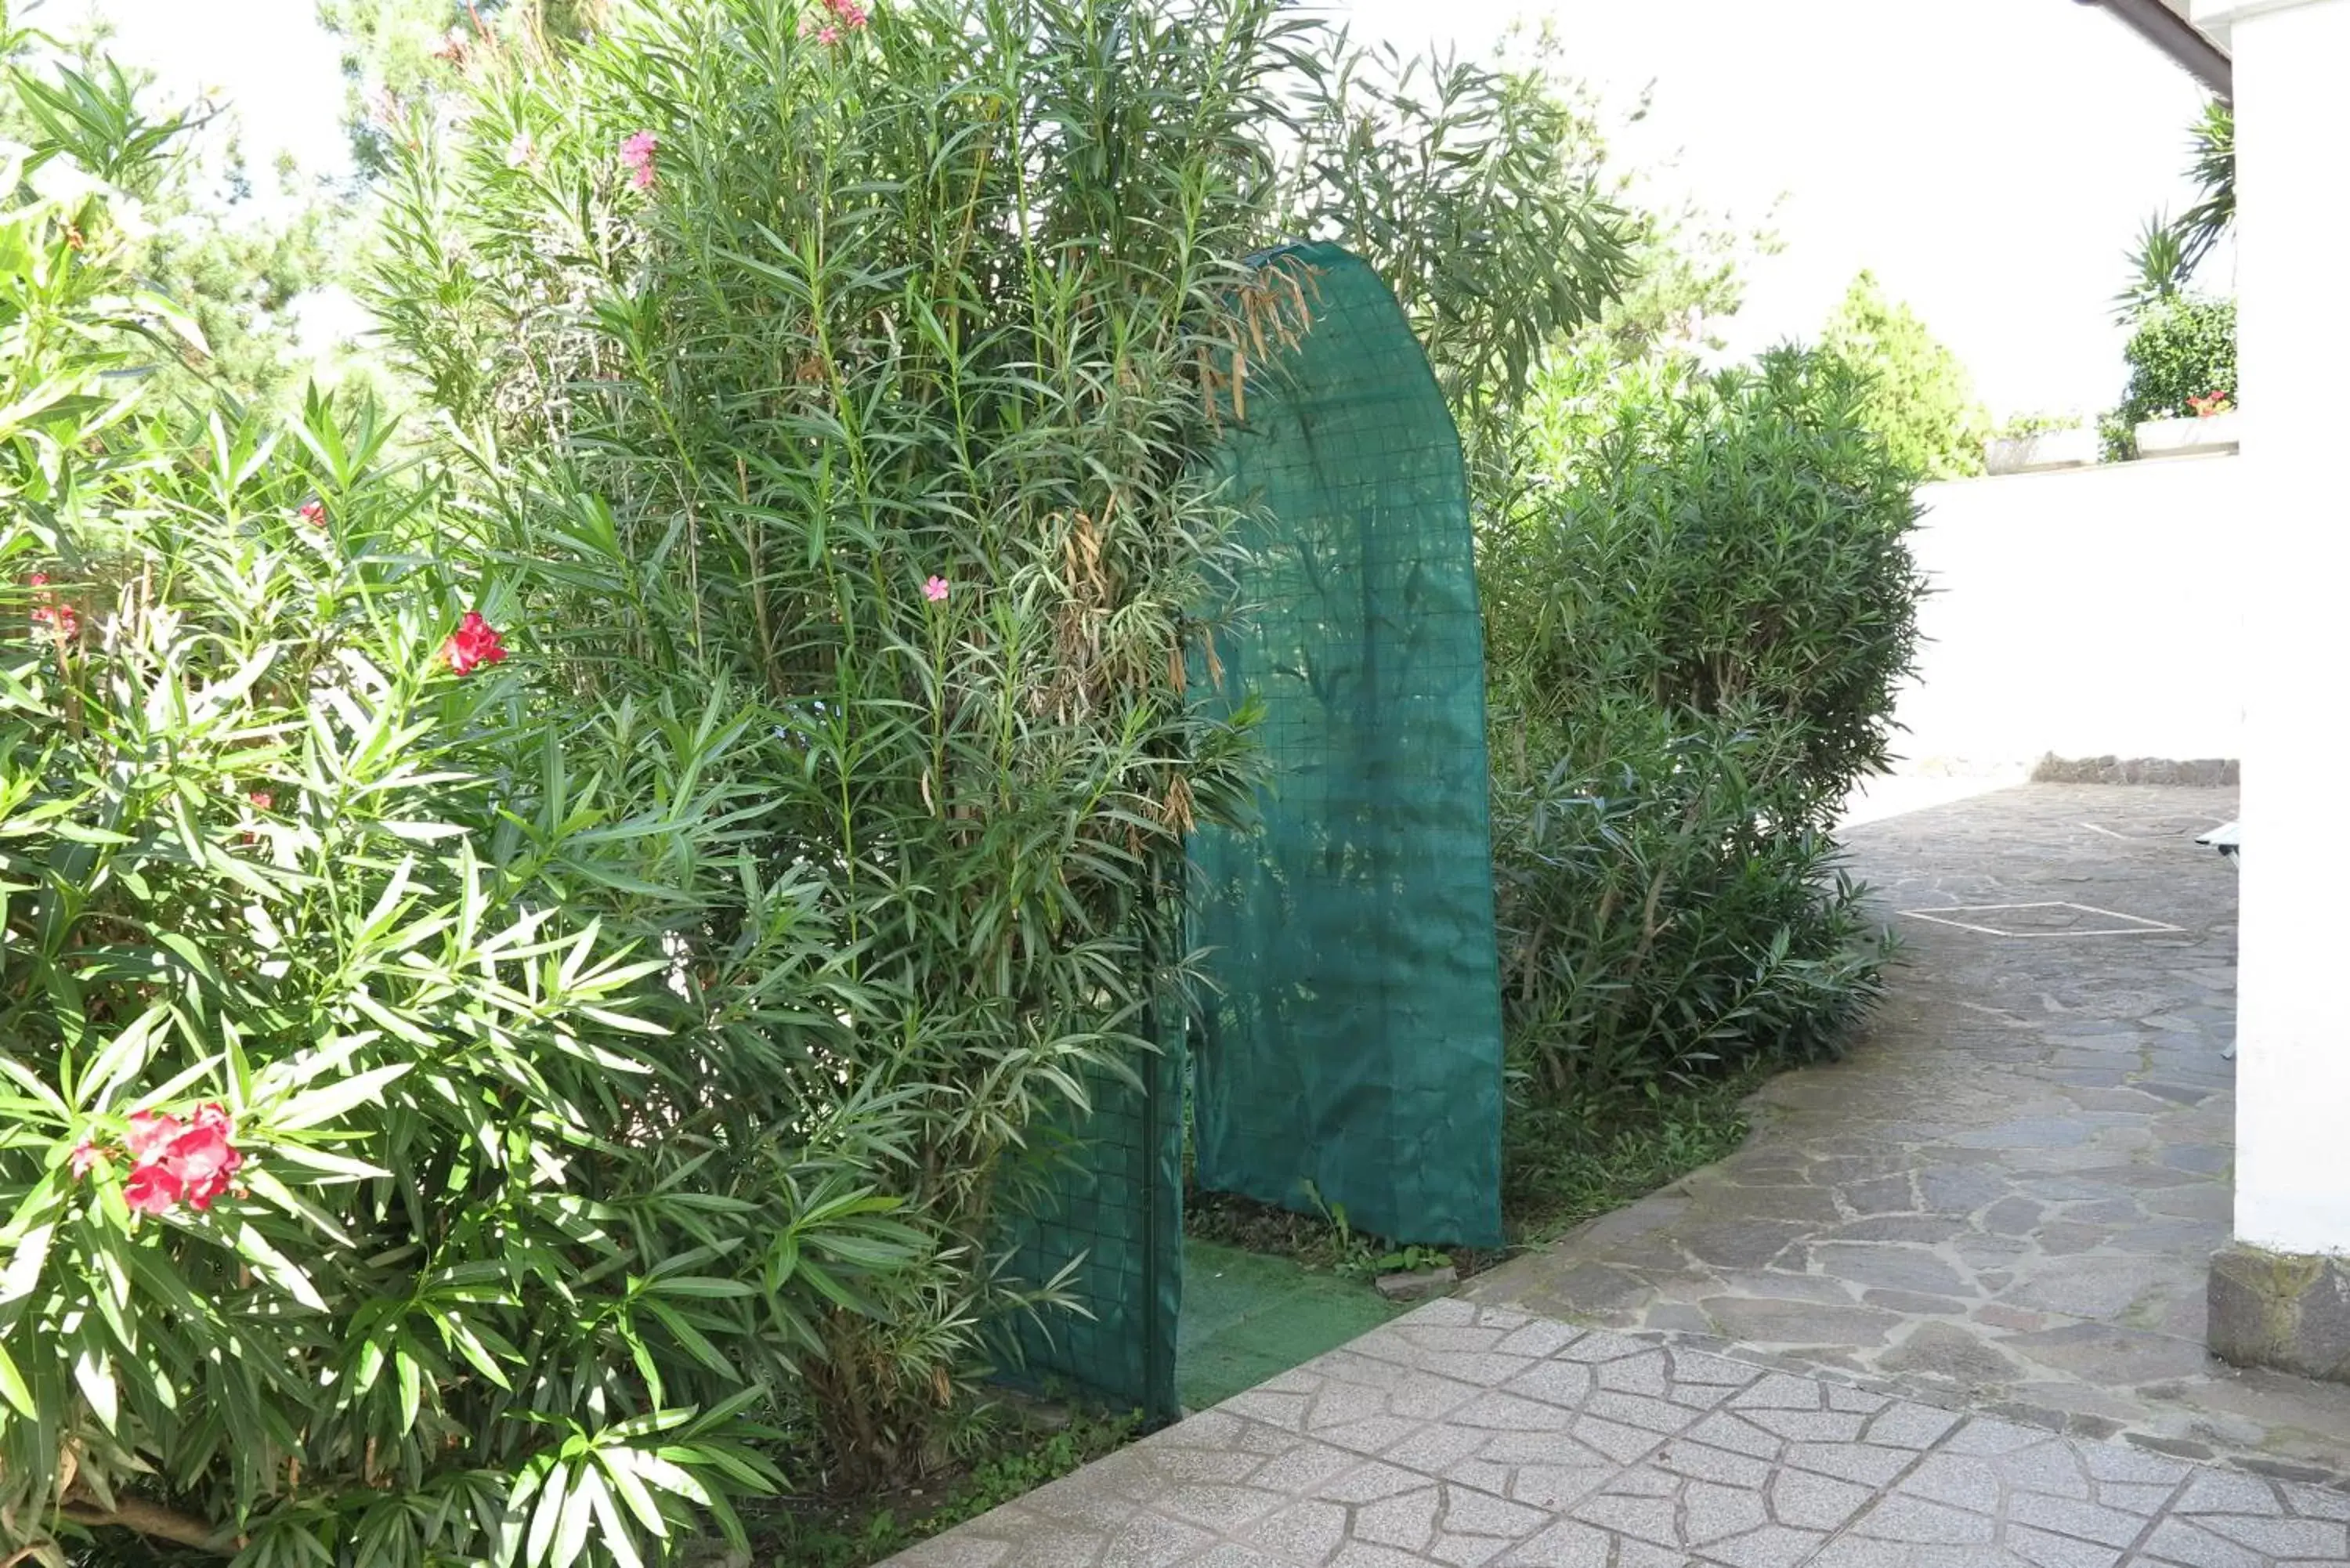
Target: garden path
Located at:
point(1944, 1310)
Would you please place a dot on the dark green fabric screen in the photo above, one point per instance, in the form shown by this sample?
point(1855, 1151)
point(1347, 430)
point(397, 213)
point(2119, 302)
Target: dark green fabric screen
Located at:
point(1350, 1049)
point(1348, 1052)
point(1112, 1199)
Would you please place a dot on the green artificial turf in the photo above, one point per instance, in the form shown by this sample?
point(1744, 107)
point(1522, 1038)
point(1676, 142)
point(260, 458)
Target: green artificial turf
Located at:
point(1248, 1317)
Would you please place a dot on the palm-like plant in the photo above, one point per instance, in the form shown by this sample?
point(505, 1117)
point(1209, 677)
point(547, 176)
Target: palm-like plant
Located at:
point(2159, 269)
point(2213, 170)
point(2167, 251)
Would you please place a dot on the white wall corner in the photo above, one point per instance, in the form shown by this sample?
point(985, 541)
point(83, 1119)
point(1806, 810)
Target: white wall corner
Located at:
point(2215, 18)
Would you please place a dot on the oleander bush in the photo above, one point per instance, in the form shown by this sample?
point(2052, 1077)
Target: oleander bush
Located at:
point(379, 1186)
point(869, 361)
point(1696, 629)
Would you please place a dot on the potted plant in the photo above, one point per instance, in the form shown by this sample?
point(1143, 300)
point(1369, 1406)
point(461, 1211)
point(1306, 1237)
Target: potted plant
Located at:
point(2032, 443)
point(2209, 425)
point(2182, 396)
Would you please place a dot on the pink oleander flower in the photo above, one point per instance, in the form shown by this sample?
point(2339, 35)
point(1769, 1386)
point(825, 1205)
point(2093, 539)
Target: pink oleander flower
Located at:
point(935, 590)
point(845, 16)
point(637, 152)
point(151, 1132)
point(86, 1156)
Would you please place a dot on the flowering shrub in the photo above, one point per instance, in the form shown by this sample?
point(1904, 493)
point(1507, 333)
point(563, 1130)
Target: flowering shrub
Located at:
point(374, 1188)
point(537, 969)
point(862, 399)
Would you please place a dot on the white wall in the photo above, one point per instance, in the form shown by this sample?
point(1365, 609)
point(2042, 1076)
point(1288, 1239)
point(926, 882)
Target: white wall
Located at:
point(2293, 1078)
point(2087, 612)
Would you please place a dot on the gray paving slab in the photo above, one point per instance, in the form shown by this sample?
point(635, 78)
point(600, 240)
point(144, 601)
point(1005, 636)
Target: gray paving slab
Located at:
point(1944, 1311)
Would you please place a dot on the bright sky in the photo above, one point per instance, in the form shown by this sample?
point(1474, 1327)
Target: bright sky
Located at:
point(279, 72)
point(1991, 159)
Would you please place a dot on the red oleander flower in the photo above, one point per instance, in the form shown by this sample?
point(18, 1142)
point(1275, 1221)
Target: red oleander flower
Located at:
point(153, 1189)
point(174, 1161)
point(473, 644)
point(203, 1158)
point(47, 611)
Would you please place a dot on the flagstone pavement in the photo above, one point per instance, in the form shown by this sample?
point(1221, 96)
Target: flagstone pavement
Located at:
point(1944, 1310)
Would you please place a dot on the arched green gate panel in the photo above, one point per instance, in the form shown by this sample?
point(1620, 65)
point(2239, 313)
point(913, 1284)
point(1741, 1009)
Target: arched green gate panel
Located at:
point(1350, 1048)
point(1350, 1051)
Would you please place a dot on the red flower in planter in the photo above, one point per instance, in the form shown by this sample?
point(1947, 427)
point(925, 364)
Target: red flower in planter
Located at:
point(2208, 404)
point(473, 644)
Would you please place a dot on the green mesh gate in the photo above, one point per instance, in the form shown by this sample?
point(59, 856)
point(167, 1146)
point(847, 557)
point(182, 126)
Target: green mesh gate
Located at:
point(1350, 1051)
point(1351, 1054)
point(1112, 1201)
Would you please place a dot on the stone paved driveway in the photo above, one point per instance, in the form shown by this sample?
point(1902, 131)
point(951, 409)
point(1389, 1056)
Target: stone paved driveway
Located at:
point(2008, 1194)
point(1472, 1436)
point(1944, 1311)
